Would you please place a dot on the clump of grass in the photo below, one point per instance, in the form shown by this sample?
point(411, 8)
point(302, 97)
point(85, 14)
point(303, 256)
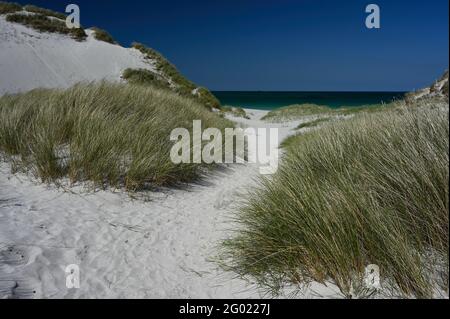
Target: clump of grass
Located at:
point(110, 134)
point(45, 12)
point(314, 123)
point(235, 111)
point(43, 23)
point(294, 112)
point(181, 85)
point(103, 35)
point(445, 89)
point(204, 96)
point(167, 68)
point(145, 77)
point(370, 190)
point(9, 7)
point(292, 139)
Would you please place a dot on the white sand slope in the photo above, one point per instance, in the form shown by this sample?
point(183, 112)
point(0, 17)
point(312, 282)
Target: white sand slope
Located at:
point(125, 248)
point(30, 59)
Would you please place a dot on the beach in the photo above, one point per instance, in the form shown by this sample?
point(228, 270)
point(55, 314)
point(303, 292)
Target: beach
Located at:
point(156, 245)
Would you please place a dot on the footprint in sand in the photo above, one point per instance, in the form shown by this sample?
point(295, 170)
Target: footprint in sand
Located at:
point(225, 199)
point(13, 256)
point(16, 288)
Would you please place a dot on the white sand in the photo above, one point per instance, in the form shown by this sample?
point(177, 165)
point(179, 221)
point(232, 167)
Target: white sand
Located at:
point(31, 59)
point(125, 248)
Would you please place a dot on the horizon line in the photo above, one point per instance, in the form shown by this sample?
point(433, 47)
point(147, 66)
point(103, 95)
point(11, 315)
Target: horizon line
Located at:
point(293, 91)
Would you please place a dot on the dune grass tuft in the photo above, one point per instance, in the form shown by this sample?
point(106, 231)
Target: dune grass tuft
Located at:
point(45, 12)
point(166, 68)
point(235, 111)
point(103, 35)
point(314, 123)
point(111, 134)
point(295, 112)
point(43, 23)
point(181, 85)
point(204, 96)
point(9, 7)
point(370, 190)
point(145, 77)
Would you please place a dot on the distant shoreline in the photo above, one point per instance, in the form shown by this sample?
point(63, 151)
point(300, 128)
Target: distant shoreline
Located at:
point(270, 100)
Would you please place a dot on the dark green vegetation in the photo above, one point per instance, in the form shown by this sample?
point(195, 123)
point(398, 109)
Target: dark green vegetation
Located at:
point(182, 86)
point(43, 23)
point(9, 7)
point(204, 96)
point(12, 7)
point(296, 138)
point(294, 112)
point(369, 190)
point(103, 35)
point(165, 67)
point(45, 12)
point(109, 134)
point(314, 123)
point(167, 75)
point(444, 89)
point(145, 77)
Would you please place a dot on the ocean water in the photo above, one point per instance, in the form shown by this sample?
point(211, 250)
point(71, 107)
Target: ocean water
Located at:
point(273, 100)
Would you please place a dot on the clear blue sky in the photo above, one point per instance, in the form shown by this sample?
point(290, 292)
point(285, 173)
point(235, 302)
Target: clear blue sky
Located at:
point(305, 45)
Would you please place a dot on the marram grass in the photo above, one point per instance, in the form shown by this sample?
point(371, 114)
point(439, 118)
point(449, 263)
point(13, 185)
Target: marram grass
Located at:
point(299, 111)
point(370, 190)
point(110, 134)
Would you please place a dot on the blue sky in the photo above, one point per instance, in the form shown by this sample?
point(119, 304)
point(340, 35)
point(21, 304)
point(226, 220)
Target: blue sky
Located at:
point(284, 45)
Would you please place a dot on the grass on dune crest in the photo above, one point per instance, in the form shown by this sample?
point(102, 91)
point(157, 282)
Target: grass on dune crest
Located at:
point(102, 35)
point(298, 111)
point(317, 123)
point(46, 12)
point(9, 7)
point(314, 123)
point(111, 134)
point(12, 7)
point(42, 23)
point(370, 190)
point(145, 77)
point(180, 84)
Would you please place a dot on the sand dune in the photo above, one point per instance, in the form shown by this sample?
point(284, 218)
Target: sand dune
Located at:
point(158, 246)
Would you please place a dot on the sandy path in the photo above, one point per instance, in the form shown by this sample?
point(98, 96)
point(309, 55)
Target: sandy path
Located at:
point(125, 248)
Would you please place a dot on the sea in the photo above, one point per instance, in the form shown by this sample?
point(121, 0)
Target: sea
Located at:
point(263, 100)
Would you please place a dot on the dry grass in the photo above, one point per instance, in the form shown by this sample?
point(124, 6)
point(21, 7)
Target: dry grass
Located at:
point(110, 134)
point(9, 7)
point(295, 112)
point(370, 190)
point(182, 86)
point(45, 12)
point(42, 23)
point(235, 111)
point(145, 77)
point(314, 123)
point(103, 35)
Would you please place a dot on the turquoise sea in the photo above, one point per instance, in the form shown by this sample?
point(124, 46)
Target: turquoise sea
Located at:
point(272, 100)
